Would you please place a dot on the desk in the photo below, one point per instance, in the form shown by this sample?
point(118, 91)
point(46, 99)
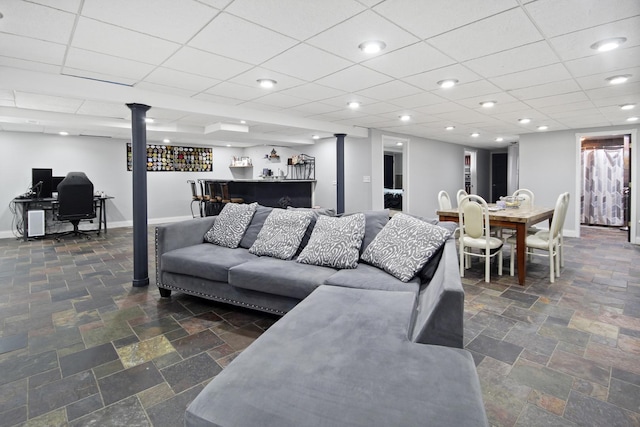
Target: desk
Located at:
point(27, 204)
point(519, 219)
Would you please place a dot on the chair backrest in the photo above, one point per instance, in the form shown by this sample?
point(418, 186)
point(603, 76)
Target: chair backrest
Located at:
point(474, 217)
point(75, 197)
point(444, 201)
point(526, 197)
point(194, 191)
point(559, 215)
point(459, 195)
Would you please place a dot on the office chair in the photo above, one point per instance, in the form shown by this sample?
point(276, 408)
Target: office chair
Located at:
point(75, 202)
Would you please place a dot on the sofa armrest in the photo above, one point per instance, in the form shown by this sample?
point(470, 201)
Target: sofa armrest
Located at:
point(440, 315)
point(179, 235)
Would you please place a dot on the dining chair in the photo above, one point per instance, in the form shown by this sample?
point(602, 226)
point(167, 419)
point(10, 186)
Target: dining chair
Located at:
point(548, 241)
point(545, 233)
point(526, 201)
point(195, 197)
point(475, 234)
point(444, 201)
point(460, 194)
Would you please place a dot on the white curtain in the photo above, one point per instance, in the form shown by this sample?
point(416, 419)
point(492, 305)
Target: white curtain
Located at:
point(602, 183)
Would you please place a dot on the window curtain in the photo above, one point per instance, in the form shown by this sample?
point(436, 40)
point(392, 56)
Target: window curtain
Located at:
point(602, 184)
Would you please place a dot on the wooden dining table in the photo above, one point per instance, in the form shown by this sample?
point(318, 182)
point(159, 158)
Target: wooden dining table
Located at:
point(519, 219)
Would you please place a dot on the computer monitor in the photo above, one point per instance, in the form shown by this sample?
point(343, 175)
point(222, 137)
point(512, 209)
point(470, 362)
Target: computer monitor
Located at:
point(55, 181)
point(41, 182)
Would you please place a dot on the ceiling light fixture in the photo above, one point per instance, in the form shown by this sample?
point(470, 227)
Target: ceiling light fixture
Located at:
point(475, 135)
point(446, 84)
point(450, 128)
point(488, 104)
point(63, 133)
point(267, 83)
point(608, 44)
point(524, 121)
point(148, 120)
point(315, 137)
point(628, 106)
point(616, 80)
point(372, 46)
point(632, 119)
point(399, 144)
point(405, 117)
point(166, 140)
point(243, 122)
point(499, 139)
point(353, 104)
point(228, 145)
point(543, 127)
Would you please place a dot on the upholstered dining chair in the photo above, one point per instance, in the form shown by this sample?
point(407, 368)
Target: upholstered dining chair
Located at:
point(460, 194)
point(475, 233)
point(526, 197)
point(444, 201)
point(547, 241)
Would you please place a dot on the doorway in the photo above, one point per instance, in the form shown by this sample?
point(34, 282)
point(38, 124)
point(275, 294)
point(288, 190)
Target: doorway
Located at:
point(393, 174)
point(498, 175)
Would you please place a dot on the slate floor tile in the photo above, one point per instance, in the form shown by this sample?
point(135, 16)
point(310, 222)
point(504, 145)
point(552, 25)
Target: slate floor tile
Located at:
point(535, 416)
point(587, 411)
point(87, 359)
point(501, 350)
point(127, 412)
point(126, 383)
point(170, 413)
point(542, 378)
point(579, 367)
point(59, 393)
point(624, 395)
point(197, 343)
point(190, 372)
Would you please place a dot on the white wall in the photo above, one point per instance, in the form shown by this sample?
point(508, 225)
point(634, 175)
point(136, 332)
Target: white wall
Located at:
point(357, 192)
point(549, 166)
point(105, 163)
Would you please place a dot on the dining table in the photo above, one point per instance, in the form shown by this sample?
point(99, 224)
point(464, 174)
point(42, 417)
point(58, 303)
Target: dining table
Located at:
point(518, 218)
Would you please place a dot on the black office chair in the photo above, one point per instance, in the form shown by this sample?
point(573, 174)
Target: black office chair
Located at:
point(75, 202)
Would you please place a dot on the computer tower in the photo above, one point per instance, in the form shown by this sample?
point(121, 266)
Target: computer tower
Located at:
point(35, 223)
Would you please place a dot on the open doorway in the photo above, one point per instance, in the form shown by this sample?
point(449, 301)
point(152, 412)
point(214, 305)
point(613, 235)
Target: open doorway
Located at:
point(605, 179)
point(393, 174)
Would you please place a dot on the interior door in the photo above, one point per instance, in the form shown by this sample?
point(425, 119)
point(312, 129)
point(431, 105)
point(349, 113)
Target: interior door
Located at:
point(498, 175)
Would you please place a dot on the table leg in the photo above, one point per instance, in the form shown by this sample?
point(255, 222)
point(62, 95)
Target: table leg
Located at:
point(25, 231)
point(521, 251)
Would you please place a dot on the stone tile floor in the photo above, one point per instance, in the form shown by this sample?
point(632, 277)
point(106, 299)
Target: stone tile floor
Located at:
point(80, 346)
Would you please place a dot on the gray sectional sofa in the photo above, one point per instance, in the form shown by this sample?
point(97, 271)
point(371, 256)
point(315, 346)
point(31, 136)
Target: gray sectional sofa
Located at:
point(356, 346)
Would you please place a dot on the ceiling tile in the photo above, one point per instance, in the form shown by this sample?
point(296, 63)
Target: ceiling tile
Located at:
point(442, 107)
point(344, 38)
point(497, 33)
point(558, 99)
point(430, 18)
point(615, 60)
point(251, 77)
point(595, 81)
point(104, 109)
point(313, 108)
point(418, 100)
point(532, 77)
point(218, 99)
point(429, 80)
point(380, 108)
point(169, 90)
point(310, 17)
point(312, 92)
point(559, 109)
point(390, 90)
point(523, 58)
point(47, 103)
point(30, 49)
point(116, 41)
point(306, 62)
point(578, 44)
point(279, 100)
point(238, 39)
point(28, 65)
point(236, 91)
point(179, 79)
point(44, 23)
point(468, 90)
point(259, 106)
point(106, 65)
point(539, 91)
point(354, 79)
point(92, 75)
point(616, 90)
point(561, 17)
point(409, 60)
point(207, 64)
point(174, 20)
point(66, 5)
point(501, 99)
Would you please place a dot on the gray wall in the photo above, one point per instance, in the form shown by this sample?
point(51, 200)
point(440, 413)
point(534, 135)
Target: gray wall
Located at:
point(549, 165)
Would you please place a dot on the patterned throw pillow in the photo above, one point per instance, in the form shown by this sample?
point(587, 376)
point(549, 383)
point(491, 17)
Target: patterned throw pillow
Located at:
point(404, 245)
point(281, 233)
point(335, 242)
point(230, 225)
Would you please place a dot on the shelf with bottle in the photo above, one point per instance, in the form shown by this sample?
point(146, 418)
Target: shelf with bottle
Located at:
point(241, 162)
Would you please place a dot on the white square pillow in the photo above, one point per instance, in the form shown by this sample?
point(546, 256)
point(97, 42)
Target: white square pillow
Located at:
point(404, 246)
point(281, 233)
point(335, 242)
point(230, 225)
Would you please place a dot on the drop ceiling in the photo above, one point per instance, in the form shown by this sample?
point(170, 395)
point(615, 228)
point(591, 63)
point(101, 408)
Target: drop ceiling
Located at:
point(72, 65)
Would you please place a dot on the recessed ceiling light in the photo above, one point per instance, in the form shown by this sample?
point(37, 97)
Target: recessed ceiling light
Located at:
point(488, 104)
point(524, 121)
point(608, 44)
point(616, 80)
point(166, 140)
point(372, 46)
point(632, 119)
point(450, 127)
point(228, 145)
point(148, 120)
point(399, 144)
point(543, 127)
point(267, 83)
point(315, 137)
point(499, 139)
point(405, 117)
point(628, 106)
point(445, 84)
point(63, 133)
point(243, 122)
point(353, 104)
point(475, 135)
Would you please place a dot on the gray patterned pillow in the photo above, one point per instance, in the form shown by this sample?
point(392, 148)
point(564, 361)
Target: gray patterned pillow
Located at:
point(404, 245)
point(230, 225)
point(335, 242)
point(281, 233)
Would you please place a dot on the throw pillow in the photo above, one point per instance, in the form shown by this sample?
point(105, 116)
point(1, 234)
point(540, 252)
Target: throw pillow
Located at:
point(335, 242)
point(374, 222)
point(250, 236)
point(316, 213)
point(230, 225)
point(404, 245)
point(281, 233)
